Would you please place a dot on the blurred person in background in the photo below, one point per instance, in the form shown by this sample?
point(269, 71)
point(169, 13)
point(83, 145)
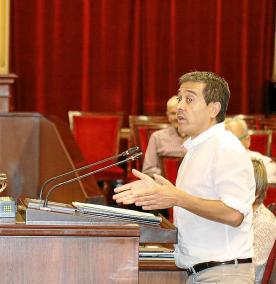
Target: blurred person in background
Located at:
point(239, 128)
point(164, 142)
point(264, 222)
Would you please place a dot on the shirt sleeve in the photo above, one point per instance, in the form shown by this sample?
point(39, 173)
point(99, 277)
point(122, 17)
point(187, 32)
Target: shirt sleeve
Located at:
point(151, 160)
point(234, 179)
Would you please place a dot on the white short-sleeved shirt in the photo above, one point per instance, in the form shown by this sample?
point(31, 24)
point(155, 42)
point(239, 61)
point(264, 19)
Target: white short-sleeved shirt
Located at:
point(216, 167)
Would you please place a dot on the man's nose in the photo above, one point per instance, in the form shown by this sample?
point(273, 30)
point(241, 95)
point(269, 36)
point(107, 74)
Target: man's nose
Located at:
point(181, 104)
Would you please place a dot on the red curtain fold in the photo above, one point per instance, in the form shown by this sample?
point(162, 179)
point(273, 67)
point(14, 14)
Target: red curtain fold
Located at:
point(127, 55)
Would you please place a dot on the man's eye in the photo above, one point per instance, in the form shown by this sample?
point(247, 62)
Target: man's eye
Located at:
point(179, 98)
point(189, 100)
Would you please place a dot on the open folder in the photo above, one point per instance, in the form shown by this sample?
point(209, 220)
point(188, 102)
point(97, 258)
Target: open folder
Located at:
point(117, 213)
point(105, 213)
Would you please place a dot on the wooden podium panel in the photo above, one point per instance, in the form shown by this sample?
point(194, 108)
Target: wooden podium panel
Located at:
point(63, 254)
point(161, 272)
point(31, 151)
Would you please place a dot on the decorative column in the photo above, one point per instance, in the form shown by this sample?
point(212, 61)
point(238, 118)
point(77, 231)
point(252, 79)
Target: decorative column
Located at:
point(6, 79)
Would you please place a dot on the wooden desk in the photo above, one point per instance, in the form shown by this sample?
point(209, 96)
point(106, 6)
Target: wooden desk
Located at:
point(160, 272)
point(69, 254)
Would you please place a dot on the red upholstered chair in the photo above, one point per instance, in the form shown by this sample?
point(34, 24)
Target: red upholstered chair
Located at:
point(273, 145)
point(270, 202)
point(269, 266)
point(97, 135)
point(270, 194)
point(169, 169)
point(270, 124)
point(141, 128)
point(261, 141)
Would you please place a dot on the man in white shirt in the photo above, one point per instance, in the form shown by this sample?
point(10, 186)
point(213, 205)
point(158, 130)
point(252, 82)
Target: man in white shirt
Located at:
point(214, 191)
point(240, 129)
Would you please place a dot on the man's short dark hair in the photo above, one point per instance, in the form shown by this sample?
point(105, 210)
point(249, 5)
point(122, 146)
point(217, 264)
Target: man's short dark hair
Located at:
point(216, 89)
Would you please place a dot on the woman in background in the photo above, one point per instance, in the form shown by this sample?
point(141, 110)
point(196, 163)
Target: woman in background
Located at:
point(264, 222)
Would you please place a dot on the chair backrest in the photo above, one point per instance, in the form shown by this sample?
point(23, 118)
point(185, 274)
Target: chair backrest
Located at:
point(169, 167)
point(97, 134)
point(261, 141)
point(269, 123)
point(273, 145)
point(269, 265)
point(142, 127)
point(270, 194)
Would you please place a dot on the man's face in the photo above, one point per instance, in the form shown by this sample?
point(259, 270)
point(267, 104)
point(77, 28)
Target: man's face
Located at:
point(172, 115)
point(194, 115)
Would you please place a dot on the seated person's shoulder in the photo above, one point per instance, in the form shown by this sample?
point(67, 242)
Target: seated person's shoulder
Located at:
point(227, 142)
point(260, 156)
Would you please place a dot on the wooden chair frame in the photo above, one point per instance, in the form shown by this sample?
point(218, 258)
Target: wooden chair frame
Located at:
point(151, 123)
point(269, 140)
point(253, 121)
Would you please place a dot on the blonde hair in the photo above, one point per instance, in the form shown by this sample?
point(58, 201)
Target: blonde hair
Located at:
point(229, 121)
point(261, 180)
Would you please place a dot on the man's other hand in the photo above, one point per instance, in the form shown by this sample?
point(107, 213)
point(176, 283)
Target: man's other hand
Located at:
point(151, 194)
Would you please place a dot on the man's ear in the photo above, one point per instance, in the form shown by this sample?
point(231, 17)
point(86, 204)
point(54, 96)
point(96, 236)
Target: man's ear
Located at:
point(215, 108)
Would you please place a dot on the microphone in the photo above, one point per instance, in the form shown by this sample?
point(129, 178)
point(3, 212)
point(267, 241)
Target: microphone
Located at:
point(134, 157)
point(128, 152)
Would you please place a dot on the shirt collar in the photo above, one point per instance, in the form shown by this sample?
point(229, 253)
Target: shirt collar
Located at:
point(210, 132)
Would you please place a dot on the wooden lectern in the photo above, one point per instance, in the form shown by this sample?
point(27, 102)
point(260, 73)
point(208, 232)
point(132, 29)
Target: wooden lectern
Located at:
point(69, 254)
point(31, 151)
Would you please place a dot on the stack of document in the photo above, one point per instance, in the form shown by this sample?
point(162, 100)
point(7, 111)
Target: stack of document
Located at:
point(117, 213)
point(155, 253)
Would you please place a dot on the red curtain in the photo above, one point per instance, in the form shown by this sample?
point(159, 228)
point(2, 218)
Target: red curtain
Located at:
point(127, 55)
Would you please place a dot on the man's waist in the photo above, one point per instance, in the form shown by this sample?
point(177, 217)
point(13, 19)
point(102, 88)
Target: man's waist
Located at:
point(205, 265)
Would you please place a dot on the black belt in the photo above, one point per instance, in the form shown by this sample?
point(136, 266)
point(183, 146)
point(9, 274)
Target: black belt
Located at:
point(201, 266)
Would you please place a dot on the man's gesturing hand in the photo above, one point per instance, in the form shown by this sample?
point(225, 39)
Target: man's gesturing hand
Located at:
point(148, 193)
